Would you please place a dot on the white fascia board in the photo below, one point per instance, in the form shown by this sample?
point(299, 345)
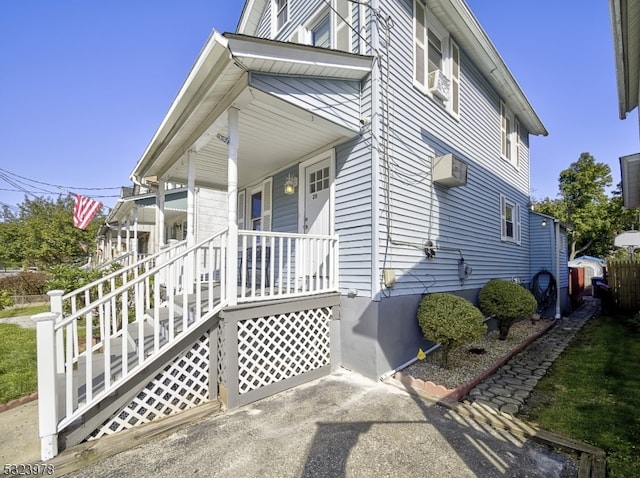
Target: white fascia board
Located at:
point(251, 12)
point(214, 52)
point(615, 12)
point(480, 48)
point(292, 53)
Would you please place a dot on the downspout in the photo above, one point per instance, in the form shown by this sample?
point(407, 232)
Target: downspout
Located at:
point(556, 223)
point(375, 159)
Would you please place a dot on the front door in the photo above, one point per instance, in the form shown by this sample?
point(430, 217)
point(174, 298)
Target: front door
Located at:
point(317, 204)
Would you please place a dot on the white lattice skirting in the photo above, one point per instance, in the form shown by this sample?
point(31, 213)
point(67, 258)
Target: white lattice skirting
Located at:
point(182, 384)
point(278, 347)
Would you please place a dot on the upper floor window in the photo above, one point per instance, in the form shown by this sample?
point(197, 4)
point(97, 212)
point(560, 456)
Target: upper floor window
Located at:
point(509, 136)
point(280, 9)
point(321, 32)
point(510, 220)
point(436, 59)
point(328, 28)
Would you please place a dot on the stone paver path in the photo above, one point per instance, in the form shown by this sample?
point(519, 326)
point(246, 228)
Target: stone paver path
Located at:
point(506, 391)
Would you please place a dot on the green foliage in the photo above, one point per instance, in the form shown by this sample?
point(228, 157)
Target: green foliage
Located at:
point(507, 302)
point(25, 283)
point(5, 299)
point(42, 234)
point(583, 203)
point(68, 278)
point(18, 371)
point(450, 320)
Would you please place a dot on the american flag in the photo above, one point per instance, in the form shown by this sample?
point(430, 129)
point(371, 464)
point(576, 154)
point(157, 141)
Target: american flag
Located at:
point(85, 209)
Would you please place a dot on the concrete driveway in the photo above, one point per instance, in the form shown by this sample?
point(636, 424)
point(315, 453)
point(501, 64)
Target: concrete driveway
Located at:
point(343, 425)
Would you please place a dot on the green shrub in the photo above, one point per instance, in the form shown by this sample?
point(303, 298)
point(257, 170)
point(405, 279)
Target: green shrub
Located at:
point(25, 283)
point(507, 302)
point(5, 299)
point(450, 320)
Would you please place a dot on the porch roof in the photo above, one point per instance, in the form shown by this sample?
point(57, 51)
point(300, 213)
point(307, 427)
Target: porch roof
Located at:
point(273, 131)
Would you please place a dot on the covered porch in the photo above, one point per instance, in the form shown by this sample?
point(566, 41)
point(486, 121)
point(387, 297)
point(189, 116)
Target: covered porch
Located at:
point(234, 313)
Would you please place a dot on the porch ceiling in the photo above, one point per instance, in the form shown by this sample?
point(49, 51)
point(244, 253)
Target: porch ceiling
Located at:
point(273, 132)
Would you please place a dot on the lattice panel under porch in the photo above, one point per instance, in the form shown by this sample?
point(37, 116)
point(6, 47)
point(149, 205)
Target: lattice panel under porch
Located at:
point(183, 384)
point(275, 348)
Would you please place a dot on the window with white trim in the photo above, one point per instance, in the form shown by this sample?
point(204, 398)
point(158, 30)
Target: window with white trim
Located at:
point(436, 59)
point(280, 14)
point(328, 28)
point(510, 229)
point(509, 136)
point(255, 207)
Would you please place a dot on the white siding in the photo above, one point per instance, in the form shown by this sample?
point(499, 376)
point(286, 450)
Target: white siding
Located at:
point(211, 212)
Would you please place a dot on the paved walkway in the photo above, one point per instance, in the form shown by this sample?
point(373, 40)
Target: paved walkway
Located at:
point(508, 389)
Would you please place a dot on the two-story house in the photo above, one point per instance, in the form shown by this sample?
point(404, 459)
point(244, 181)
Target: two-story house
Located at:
point(369, 153)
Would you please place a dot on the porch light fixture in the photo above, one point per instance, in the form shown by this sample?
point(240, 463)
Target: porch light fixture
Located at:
point(290, 185)
point(544, 223)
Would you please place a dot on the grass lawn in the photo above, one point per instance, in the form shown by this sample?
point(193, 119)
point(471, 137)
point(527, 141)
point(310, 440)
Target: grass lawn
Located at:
point(18, 374)
point(24, 311)
point(592, 393)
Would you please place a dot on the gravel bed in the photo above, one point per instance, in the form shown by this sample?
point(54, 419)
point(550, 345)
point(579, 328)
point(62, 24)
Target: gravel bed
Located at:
point(465, 365)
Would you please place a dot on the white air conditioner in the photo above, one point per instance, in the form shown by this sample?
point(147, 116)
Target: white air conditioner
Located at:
point(449, 171)
point(438, 84)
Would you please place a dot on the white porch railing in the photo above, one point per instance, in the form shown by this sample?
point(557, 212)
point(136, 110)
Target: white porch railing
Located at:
point(285, 265)
point(97, 338)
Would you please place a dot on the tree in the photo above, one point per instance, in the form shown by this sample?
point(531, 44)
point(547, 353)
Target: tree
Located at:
point(42, 234)
point(585, 207)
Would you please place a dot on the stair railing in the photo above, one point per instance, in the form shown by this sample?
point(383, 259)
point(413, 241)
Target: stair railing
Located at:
point(100, 336)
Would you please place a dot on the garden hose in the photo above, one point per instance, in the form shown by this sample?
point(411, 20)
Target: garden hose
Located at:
point(547, 296)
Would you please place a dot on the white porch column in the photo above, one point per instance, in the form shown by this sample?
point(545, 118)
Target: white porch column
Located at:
point(127, 242)
point(119, 241)
point(191, 197)
point(160, 193)
point(135, 233)
point(233, 117)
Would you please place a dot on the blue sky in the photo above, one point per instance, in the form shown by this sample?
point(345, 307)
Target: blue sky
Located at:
point(84, 84)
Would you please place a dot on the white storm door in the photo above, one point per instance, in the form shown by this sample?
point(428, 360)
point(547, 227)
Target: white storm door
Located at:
point(316, 220)
point(317, 203)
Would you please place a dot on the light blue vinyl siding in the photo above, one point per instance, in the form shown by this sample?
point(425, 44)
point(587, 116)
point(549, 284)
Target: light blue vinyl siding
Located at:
point(285, 207)
point(543, 249)
point(335, 100)
point(464, 221)
point(353, 218)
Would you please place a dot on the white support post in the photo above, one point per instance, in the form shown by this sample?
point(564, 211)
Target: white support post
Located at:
point(128, 239)
point(191, 237)
point(119, 241)
point(47, 380)
point(160, 193)
point(135, 233)
point(233, 118)
point(55, 299)
point(558, 240)
point(191, 197)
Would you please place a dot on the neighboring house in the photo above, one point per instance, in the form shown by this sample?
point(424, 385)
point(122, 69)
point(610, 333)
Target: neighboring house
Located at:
point(132, 230)
point(625, 24)
point(370, 154)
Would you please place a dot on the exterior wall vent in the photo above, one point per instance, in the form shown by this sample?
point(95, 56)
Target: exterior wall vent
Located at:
point(449, 171)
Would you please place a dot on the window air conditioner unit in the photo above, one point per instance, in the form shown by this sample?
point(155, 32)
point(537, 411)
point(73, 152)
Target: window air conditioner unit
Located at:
point(439, 85)
point(449, 171)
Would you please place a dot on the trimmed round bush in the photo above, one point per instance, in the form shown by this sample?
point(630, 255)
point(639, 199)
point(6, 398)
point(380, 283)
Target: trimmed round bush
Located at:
point(450, 320)
point(507, 302)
